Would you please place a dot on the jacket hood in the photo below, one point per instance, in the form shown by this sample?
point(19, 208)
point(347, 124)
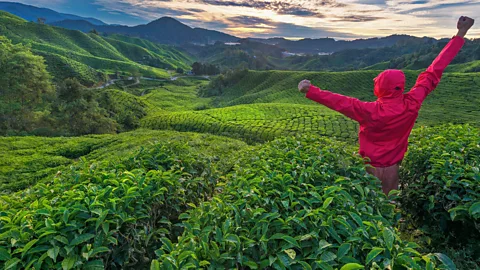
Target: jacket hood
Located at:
point(389, 84)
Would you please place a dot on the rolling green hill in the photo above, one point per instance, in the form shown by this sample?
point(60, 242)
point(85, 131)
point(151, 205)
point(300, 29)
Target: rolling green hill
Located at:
point(69, 52)
point(264, 105)
point(454, 101)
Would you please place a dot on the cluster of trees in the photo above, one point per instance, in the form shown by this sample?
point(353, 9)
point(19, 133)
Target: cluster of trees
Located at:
point(205, 69)
point(31, 104)
point(25, 88)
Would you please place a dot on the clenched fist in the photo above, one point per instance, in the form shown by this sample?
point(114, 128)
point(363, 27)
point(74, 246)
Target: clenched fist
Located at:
point(464, 24)
point(304, 86)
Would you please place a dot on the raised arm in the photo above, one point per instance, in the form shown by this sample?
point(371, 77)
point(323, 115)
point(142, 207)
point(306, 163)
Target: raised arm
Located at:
point(348, 106)
point(429, 79)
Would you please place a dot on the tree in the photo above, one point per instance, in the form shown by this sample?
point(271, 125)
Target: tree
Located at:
point(41, 20)
point(24, 86)
point(205, 69)
point(94, 31)
point(78, 111)
point(197, 68)
point(180, 70)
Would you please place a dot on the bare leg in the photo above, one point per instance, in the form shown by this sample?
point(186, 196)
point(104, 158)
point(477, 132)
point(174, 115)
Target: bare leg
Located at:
point(388, 176)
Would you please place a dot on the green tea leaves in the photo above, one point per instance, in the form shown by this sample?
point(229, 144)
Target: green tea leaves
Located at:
point(81, 239)
point(53, 253)
point(446, 261)
point(373, 254)
point(286, 238)
point(4, 254)
point(327, 202)
point(69, 262)
point(343, 250)
point(352, 266)
point(475, 209)
point(291, 253)
point(389, 238)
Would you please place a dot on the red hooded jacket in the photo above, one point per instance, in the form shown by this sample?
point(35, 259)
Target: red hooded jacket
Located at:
point(386, 123)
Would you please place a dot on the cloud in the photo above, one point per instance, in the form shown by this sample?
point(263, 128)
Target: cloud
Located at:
point(289, 30)
point(195, 10)
point(290, 18)
point(249, 20)
point(359, 18)
point(280, 7)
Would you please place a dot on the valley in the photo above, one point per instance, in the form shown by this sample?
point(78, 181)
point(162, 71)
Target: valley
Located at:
point(120, 149)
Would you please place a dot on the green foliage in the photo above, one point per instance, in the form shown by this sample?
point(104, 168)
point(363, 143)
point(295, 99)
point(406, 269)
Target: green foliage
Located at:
point(204, 69)
point(24, 87)
point(247, 54)
point(168, 54)
point(77, 111)
point(100, 214)
point(27, 160)
point(125, 109)
point(295, 204)
point(441, 179)
point(171, 97)
point(80, 54)
point(454, 101)
point(219, 83)
point(257, 122)
point(62, 67)
point(405, 53)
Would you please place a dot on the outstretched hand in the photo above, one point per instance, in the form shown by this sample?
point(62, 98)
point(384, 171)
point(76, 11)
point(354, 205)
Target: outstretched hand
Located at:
point(464, 24)
point(304, 86)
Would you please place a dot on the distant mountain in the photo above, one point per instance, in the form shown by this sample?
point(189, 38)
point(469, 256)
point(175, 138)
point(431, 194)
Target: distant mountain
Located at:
point(89, 57)
point(31, 13)
point(165, 30)
point(330, 45)
point(212, 35)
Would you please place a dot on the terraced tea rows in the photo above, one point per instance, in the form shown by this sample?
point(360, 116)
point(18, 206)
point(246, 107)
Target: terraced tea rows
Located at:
point(25, 161)
point(257, 122)
point(266, 105)
point(454, 101)
point(78, 52)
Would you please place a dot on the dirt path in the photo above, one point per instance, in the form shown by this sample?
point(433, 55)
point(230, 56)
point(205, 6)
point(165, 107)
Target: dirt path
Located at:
point(110, 82)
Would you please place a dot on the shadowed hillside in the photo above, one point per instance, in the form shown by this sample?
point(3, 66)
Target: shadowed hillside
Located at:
point(72, 53)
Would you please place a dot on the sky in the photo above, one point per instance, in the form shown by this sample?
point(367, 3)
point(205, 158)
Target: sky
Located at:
point(293, 19)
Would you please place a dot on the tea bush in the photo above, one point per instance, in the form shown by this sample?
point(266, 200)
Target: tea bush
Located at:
point(25, 161)
point(295, 204)
point(454, 101)
point(441, 179)
point(257, 122)
point(97, 215)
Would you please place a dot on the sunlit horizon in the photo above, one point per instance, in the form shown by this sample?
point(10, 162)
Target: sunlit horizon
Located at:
point(291, 19)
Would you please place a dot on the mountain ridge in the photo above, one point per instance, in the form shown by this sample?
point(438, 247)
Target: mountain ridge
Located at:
point(32, 13)
point(168, 30)
point(165, 30)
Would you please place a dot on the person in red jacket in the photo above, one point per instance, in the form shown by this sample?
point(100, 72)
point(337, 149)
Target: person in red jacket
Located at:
point(385, 124)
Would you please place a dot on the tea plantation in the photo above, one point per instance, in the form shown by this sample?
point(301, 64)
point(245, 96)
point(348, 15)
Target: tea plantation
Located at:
point(253, 177)
point(186, 200)
point(71, 53)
